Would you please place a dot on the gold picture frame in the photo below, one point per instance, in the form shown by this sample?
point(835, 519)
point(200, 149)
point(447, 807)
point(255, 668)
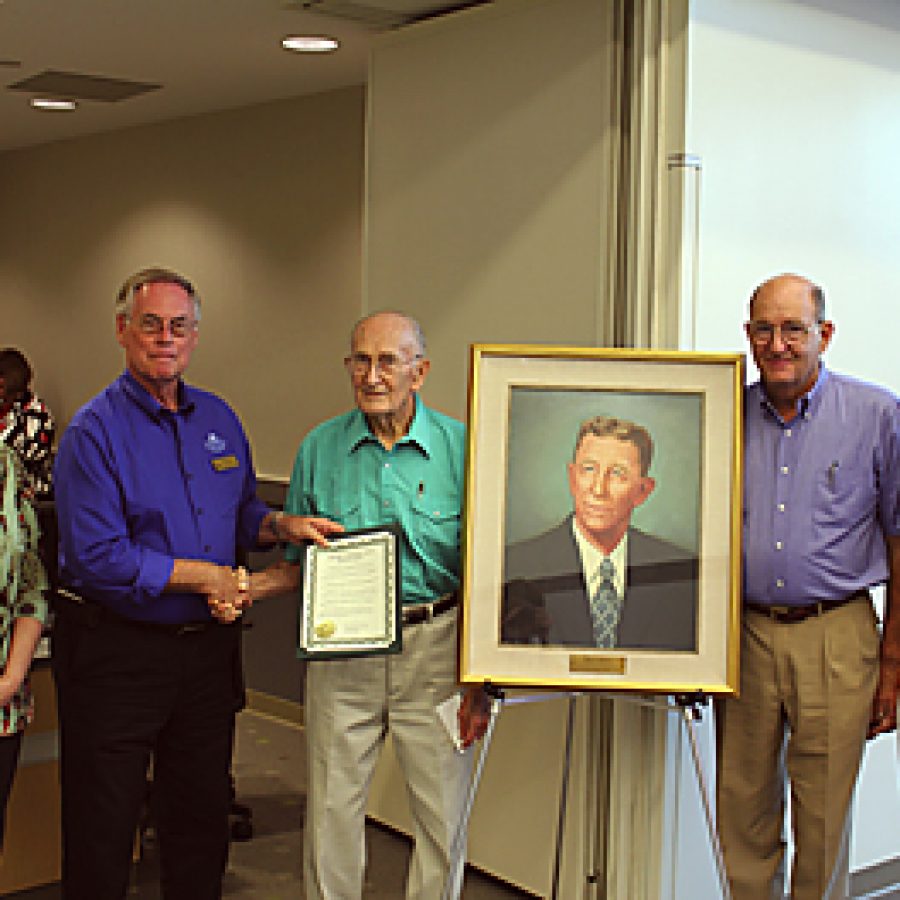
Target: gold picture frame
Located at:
point(527, 617)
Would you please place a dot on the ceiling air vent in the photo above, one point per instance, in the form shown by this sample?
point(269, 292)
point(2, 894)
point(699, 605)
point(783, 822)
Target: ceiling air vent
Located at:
point(382, 13)
point(75, 86)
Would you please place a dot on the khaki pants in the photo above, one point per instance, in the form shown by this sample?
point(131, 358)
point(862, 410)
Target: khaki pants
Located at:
point(805, 704)
point(350, 706)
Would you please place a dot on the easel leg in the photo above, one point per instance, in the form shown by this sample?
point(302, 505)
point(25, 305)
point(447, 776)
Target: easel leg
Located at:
point(563, 800)
point(687, 719)
point(462, 827)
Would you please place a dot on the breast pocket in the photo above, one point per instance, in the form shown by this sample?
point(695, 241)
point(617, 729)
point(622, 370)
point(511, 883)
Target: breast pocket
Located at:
point(339, 499)
point(843, 496)
point(436, 529)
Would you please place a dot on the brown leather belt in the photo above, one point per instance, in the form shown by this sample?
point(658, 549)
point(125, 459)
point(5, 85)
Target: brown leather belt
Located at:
point(416, 613)
point(789, 614)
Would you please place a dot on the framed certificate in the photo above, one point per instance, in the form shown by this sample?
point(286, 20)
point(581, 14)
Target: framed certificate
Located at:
point(351, 597)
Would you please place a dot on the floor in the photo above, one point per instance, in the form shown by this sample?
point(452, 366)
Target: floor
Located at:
point(269, 774)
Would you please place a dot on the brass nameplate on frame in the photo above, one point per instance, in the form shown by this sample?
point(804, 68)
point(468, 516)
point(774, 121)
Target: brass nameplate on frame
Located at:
point(610, 665)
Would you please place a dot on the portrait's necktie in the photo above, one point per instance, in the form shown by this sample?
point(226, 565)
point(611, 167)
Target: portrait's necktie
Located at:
point(605, 605)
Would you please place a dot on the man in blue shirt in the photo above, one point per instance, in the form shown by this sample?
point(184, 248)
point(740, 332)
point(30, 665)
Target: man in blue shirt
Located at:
point(821, 526)
point(156, 490)
point(389, 461)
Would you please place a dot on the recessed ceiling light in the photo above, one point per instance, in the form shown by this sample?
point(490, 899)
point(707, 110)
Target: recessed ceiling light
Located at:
point(309, 44)
point(49, 103)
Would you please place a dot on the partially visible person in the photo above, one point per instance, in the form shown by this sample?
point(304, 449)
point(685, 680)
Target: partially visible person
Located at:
point(821, 528)
point(26, 424)
point(23, 612)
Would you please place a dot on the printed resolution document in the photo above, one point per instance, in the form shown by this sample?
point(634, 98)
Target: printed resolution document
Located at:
point(350, 596)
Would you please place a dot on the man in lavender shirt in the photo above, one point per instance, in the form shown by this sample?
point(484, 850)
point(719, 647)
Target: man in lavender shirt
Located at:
point(821, 526)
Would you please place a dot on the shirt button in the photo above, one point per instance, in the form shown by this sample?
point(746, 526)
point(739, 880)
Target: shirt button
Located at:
point(199, 510)
point(387, 503)
point(784, 470)
point(779, 582)
point(207, 548)
point(779, 545)
point(387, 465)
point(787, 432)
point(780, 507)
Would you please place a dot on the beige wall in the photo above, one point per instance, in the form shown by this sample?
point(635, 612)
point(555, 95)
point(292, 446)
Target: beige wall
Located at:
point(490, 179)
point(261, 207)
point(490, 215)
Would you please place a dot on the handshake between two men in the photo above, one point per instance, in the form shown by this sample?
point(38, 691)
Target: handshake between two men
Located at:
point(230, 591)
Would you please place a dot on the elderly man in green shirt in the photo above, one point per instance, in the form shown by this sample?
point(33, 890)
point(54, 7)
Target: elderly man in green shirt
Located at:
point(389, 461)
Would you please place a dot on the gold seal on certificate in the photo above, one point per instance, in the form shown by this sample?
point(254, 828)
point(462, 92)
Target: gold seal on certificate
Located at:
point(351, 603)
point(325, 629)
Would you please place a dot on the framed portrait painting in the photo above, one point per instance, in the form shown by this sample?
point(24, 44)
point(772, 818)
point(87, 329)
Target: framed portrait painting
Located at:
point(603, 509)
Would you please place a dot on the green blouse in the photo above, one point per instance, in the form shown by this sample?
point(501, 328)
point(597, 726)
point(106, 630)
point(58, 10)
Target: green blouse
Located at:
point(22, 579)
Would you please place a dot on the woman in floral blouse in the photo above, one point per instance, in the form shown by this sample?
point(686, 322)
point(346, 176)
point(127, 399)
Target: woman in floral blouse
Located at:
point(23, 611)
point(25, 422)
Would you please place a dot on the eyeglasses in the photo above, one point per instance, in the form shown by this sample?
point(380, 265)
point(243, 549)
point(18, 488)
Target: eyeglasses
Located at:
point(386, 363)
point(178, 327)
point(791, 332)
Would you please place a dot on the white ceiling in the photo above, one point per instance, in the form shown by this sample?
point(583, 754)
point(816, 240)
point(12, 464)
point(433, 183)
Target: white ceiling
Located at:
point(206, 54)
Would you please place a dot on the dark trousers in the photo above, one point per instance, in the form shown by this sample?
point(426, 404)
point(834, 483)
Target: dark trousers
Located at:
point(10, 746)
point(128, 694)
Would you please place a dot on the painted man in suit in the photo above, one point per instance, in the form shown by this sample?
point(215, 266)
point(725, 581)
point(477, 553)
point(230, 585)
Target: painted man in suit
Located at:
point(594, 580)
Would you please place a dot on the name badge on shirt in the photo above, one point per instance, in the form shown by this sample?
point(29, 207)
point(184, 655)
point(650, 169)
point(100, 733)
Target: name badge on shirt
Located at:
point(224, 463)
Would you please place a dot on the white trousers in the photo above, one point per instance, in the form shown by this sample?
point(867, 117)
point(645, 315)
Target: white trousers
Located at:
point(350, 706)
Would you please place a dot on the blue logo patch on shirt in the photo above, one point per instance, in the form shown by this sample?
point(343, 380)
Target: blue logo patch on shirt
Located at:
point(214, 443)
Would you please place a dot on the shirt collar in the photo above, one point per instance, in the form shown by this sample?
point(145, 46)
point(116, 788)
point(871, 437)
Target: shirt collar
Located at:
point(807, 404)
point(147, 402)
point(419, 430)
point(591, 558)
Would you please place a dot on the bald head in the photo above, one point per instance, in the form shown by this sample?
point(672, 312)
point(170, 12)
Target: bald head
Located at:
point(395, 320)
point(795, 284)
